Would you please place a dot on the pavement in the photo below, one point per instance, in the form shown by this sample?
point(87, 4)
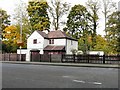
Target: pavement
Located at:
point(66, 64)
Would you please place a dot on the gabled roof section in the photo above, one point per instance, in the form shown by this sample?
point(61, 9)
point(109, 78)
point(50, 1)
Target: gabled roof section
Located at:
point(55, 35)
point(43, 34)
point(59, 34)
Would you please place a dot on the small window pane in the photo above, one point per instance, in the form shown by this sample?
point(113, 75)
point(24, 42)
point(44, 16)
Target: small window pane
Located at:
point(35, 41)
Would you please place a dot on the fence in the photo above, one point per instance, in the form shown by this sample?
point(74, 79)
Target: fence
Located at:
point(12, 57)
point(105, 59)
point(45, 58)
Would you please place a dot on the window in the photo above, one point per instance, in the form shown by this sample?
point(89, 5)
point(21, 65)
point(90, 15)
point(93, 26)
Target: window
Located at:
point(51, 41)
point(35, 41)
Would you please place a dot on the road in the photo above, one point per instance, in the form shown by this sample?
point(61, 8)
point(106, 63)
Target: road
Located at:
point(45, 76)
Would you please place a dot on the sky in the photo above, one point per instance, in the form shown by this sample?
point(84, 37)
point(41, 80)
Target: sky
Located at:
point(10, 5)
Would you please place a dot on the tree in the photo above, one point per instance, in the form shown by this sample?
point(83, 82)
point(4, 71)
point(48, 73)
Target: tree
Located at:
point(78, 23)
point(10, 38)
point(22, 22)
point(57, 10)
point(85, 44)
point(113, 29)
point(108, 6)
point(101, 44)
point(38, 16)
point(94, 6)
point(4, 19)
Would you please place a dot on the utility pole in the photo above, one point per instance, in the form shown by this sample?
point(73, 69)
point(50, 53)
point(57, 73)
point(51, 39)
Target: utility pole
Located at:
point(20, 42)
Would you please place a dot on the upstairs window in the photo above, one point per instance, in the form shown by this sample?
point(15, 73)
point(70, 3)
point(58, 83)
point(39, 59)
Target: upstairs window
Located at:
point(35, 41)
point(51, 41)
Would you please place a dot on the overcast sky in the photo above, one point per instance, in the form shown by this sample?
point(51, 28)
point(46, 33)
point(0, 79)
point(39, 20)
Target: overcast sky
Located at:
point(9, 6)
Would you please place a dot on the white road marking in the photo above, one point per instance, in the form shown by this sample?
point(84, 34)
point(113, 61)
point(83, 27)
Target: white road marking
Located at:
point(65, 76)
point(96, 83)
point(80, 81)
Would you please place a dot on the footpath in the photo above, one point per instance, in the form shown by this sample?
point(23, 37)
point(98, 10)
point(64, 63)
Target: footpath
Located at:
point(65, 64)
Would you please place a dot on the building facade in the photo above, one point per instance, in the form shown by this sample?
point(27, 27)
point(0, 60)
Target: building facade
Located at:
point(54, 42)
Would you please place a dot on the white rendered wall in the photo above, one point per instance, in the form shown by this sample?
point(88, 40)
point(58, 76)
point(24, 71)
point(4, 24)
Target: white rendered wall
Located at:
point(59, 42)
point(23, 51)
point(96, 52)
point(40, 41)
point(39, 46)
point(46, 42)
point(71, 45)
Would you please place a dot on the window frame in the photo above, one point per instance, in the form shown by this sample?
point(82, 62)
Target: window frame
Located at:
point(51, 41)
point(34, 41)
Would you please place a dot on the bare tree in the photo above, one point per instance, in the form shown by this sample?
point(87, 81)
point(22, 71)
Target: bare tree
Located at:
point(57, 9)
point(108, 6)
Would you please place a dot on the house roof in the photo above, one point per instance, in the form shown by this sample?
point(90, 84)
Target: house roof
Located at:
point(55, 35)
point(43, 34)
point(59, 34)
point(54, 48)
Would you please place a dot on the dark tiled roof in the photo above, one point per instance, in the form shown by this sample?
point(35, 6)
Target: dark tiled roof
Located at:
point(43, 34)
point(54, 48)
point(55, 35)
point(59, 34)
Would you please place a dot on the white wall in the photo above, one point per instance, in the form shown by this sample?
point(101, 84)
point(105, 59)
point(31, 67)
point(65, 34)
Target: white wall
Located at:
point(23, 51)
point(40, 41)
point(59, 42)
point(46, 42)
point(71, 45)
point(96, 52)
point(39, 46)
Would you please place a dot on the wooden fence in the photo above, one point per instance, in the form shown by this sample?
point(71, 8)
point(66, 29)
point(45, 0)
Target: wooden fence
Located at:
point(12, 57)
point(45, 58)
point(105, 59)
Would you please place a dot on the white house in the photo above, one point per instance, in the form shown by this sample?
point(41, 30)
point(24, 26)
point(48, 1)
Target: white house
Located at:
point(55, 42)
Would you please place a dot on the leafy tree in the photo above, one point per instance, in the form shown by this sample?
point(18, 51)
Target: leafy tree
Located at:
point(38, 16)
point(113, 30)
point(93, 7)
point(57, 10)
point(10, 38)
point(101, 44)
point(78, 23)
point(85, 44)
point(4, 19)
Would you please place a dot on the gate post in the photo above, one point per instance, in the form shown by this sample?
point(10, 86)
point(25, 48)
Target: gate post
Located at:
point(50, 57)
point(88, 58)
point(74, 57)
point(9, 56)
point(62, 58)
point(31, 56)
point(103, 59)
point(40, 57)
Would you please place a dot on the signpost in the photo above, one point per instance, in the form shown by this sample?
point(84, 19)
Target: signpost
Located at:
point(20, 42)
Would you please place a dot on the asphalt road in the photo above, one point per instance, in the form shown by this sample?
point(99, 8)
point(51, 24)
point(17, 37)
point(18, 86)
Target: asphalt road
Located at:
point(43, 76)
